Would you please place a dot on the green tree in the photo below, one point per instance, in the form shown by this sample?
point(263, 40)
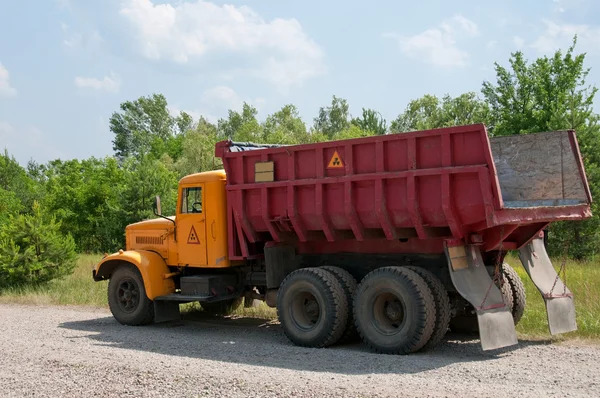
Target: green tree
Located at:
point(9, 205)
point(144, 179)
point(353, 131)
point(334, 118)
point(145, 126)
point(548, 94)
point(242, 127)
point(85, 197)
point(285, 127)
point(199, 150)
point(33, 251)
point(420, 114)
point(371, 121)
point(429, 112)
point(20, 188)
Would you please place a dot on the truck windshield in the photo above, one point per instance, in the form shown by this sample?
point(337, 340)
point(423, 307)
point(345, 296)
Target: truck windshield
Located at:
point(192, 200)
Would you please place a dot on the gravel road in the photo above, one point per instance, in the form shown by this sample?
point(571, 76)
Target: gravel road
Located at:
point(83, 352)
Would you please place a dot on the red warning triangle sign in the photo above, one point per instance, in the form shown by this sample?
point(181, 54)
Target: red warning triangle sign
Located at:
point(193, 237)
point(335, 162)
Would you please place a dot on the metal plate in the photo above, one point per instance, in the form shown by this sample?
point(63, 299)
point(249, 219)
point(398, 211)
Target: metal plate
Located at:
point(496, 328)
point(496, 324)
point(560, 305)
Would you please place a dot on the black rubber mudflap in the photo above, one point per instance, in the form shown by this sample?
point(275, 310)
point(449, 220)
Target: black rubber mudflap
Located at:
point(166, 310)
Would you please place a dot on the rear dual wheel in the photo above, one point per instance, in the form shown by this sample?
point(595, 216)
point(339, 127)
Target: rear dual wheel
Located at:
point(395, 310)
point(312, 307)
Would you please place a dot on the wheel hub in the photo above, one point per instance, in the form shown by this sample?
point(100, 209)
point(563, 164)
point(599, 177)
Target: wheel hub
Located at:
point(305, 311)
point(394, 311)
point(388, 313)
point(128, 295)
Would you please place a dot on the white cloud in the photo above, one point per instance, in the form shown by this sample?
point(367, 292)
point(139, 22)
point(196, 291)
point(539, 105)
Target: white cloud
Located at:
point(558, 36)
point(110, 84)
point(464, 24)
point(438, 45)
point(518, 42)
point(6, 90)
point(278, 51)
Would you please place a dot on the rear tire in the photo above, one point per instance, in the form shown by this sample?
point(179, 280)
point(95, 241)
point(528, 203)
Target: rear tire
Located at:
point(442, 307)
point(222, 308)
point(518, 291)
point(394, 310)
point(127, 298)
point(312, 308)
point(349, 285)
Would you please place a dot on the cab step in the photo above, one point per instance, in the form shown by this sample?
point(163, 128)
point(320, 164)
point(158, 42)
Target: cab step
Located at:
point(202, 288)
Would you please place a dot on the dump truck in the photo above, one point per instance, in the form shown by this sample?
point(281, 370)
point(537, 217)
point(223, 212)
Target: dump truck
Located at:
point(391, 239)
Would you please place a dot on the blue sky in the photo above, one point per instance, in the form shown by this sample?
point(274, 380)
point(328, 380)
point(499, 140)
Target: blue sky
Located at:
point(66, 65)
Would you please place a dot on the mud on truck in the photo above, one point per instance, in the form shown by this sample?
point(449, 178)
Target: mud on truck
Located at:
point(392, 239)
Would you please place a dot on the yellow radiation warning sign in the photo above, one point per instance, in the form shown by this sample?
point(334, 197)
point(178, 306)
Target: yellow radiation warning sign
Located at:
point(335, 162)
point(193, 237)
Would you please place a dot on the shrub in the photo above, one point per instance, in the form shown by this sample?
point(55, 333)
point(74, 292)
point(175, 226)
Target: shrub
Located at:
point(33, 251)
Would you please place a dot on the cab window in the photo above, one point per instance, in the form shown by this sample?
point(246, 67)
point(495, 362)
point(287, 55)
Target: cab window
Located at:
point(192, 200)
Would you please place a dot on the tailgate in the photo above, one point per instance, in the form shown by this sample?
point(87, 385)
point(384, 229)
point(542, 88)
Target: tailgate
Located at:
point(540, 170)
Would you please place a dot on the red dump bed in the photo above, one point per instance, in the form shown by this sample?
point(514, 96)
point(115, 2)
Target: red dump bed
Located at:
point(405, 192)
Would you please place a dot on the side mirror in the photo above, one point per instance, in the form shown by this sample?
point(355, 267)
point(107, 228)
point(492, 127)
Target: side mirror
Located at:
point(157, 208)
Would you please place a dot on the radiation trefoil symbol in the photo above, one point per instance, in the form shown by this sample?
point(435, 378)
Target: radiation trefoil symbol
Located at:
point(193, 237)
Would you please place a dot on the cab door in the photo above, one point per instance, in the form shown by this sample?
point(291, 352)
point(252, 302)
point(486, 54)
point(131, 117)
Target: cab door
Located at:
point(191, 225)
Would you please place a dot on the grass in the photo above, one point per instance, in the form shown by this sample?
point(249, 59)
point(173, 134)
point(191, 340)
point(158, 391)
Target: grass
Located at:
point(258, 311)
point(76, 289)
point(583, 278)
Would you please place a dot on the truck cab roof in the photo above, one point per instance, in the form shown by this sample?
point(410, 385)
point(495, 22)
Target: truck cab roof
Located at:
point(206, 176)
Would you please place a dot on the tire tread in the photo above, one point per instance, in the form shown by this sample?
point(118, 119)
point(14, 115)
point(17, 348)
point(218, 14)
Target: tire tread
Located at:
point(442, 307)
point(518, 291)
point(349, 285)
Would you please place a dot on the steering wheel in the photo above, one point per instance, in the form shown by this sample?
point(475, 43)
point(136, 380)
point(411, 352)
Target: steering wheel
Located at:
point(198, 208)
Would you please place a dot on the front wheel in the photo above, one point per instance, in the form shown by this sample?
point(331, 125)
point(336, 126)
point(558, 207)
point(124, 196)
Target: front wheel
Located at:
point(127, 297)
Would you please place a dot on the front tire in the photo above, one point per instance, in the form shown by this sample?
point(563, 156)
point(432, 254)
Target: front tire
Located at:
point(394, 310)
point(127, 297)
point(312, 308)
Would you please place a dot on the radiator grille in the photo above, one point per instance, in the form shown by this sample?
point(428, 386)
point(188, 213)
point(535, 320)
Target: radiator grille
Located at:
point(148, 240)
